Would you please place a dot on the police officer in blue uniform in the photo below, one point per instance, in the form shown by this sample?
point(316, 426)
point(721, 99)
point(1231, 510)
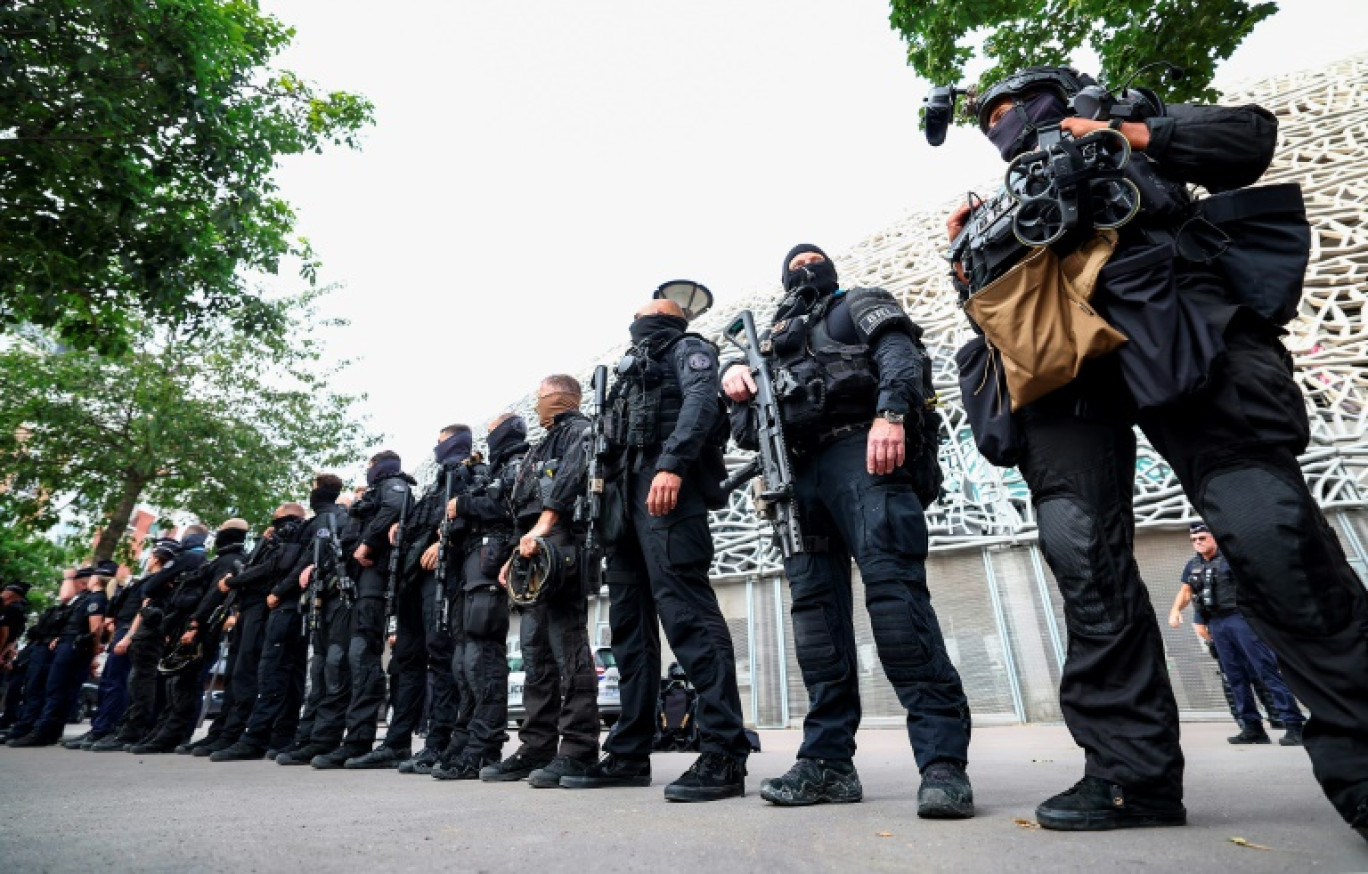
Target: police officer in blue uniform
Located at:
point(667, 426)
point(73, 651)
point(1209, 583)
point(863, 436)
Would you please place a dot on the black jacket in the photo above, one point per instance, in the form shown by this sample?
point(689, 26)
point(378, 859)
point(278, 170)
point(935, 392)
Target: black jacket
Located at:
point(278, 556)
point(566, 444)
point(378, 509)
point(326, 514)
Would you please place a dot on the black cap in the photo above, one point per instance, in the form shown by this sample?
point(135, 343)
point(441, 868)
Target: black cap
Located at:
point(20, 588)
point(107, 569)
point(1198, 528)
point(86, 572)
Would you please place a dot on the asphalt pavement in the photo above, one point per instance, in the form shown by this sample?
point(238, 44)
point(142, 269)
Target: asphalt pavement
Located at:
point(71, 811)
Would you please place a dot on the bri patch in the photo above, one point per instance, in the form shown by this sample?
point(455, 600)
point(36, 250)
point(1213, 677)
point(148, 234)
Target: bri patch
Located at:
point(700, 361)
point(870, 321)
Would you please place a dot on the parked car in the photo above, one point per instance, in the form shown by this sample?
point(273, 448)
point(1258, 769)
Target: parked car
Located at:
point(609, 698)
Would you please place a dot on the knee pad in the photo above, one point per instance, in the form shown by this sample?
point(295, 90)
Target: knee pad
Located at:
point(1289, 568)
point(815, 645)
point(904, 643)
point(1071, 541)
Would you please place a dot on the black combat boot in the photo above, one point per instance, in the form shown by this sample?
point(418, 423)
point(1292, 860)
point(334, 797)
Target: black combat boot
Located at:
point(814, 781)
point(421, 763)
point(32, 739)
point(207, 750)
point(110, 743)
point(75, 742)
point(945, 792)
point(304, 755)
point(461, 767)
point(611, 770)
point(337, 758)
point(1094, 804)
point(712, 777)
point(239, 752)
point(561, 766)
point(382, 757)
point(1250, 734)
point(1292, 737)
point(153, 747)
point(516, 767)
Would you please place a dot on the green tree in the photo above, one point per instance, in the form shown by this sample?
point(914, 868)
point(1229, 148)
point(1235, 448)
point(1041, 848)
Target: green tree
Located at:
point(26, 556)
point(1126, 34)
point(137, 142)
point(211, 420)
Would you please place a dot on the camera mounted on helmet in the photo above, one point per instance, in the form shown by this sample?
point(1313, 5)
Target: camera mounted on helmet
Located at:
point(1084, 96)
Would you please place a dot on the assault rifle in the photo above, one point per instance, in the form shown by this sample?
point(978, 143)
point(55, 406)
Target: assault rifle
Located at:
point(589, 508)
point(774, 496)
point(395, 564)
point(443, 606)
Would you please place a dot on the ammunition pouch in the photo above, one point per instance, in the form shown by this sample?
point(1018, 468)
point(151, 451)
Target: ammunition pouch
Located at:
point(494, 552)
point(484, 613)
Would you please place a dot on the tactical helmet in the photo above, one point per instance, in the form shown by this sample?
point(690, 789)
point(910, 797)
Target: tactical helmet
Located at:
point(1065, 81)
point(533, 579)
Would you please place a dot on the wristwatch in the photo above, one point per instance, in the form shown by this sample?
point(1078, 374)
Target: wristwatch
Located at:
point(891, 417)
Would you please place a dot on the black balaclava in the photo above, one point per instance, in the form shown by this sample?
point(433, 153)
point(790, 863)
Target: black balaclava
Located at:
point(453, 449)
point(657, 329)
point(229, 537)
point(286, 526)
point(323, 495)
point(1015, 131)
point(820, 276)
point(383, 468)
point(509, 434)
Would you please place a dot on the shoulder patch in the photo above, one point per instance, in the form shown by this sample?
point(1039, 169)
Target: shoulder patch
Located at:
point(700, 361)
point(93, 607)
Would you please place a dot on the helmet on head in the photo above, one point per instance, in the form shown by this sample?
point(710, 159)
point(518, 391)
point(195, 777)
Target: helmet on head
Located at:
point(1064, 81)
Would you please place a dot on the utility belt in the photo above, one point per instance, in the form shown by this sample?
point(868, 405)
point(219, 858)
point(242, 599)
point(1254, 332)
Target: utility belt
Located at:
point(815, 444)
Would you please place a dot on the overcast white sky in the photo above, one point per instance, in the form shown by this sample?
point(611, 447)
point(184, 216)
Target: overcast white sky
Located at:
point(538, 167)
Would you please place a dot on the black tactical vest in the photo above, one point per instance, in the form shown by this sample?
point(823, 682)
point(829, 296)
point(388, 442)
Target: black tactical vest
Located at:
point(821, 380)
point(644, 403)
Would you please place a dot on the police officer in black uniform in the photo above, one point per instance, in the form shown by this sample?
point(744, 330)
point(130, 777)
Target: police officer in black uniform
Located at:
point(479, 606)
point(421, 656)
point(666, 419)
point(1244, 659)
point(388, 496)
point(864, 468)
point(73, 651)
point(266, 645)
point(185, 683)
point(560, 733)
point(328, 553)
point(1232, 444)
